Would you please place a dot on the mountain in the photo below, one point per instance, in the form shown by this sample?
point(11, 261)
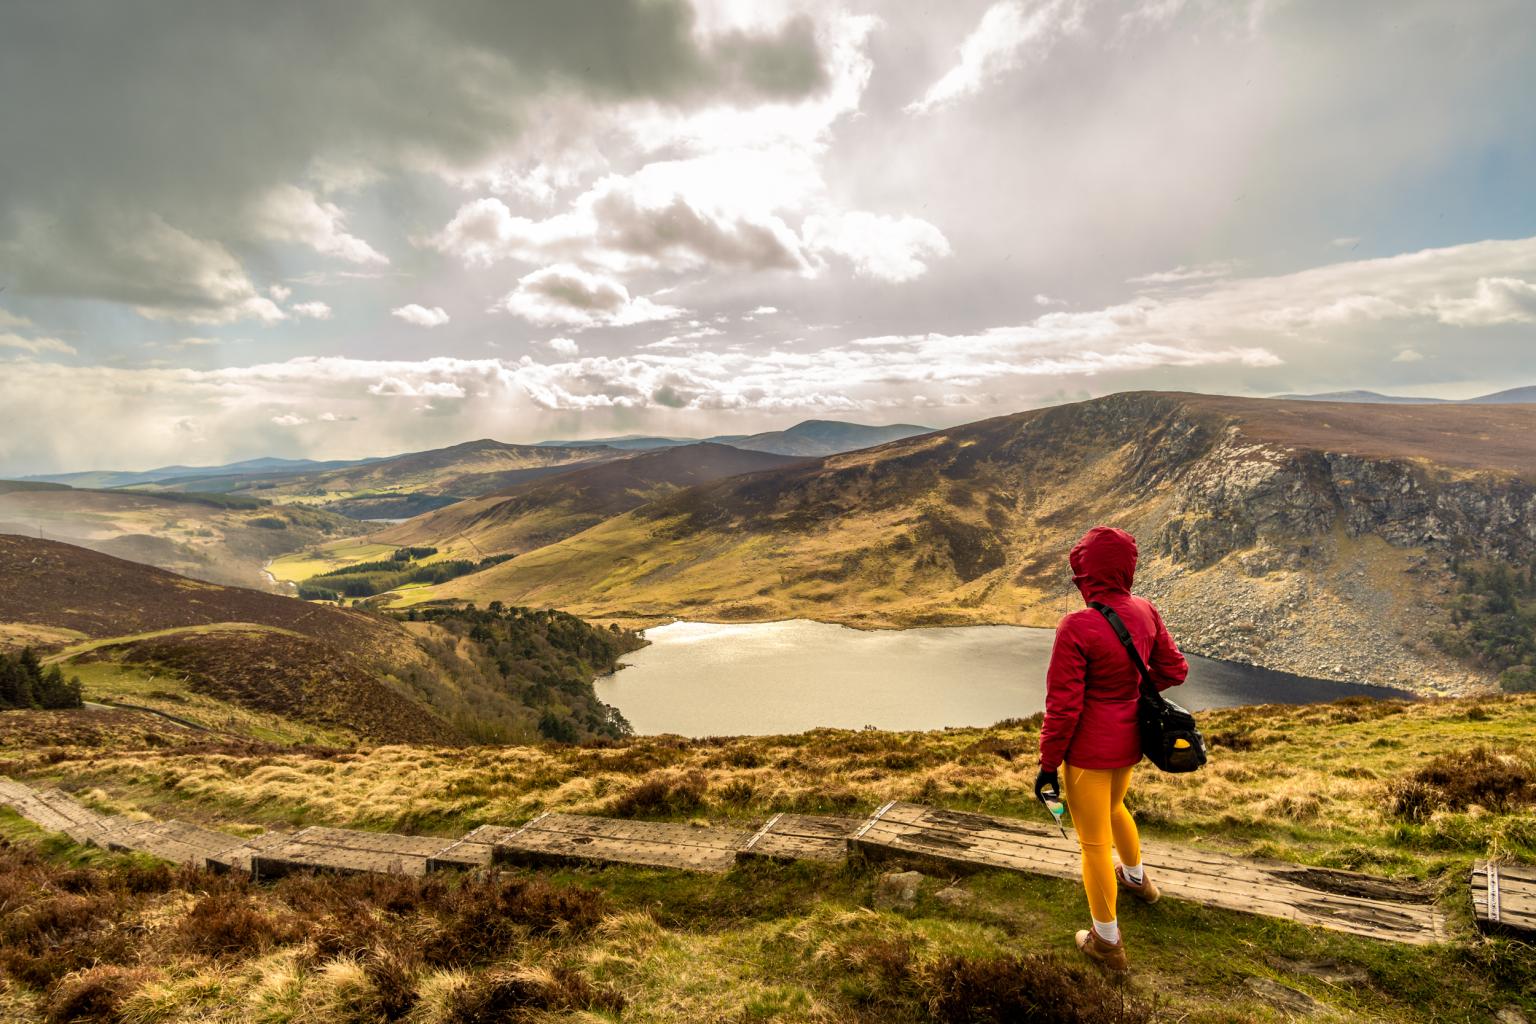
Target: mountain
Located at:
point(1366, 397)
point(544, 511)
point(826, 437)
point(112, 478)
point(810, 438)
point(627, 442)
point(262, 665)
point(406, 485)
point(1294, 535)
point(222, 539)
point(1525, 395)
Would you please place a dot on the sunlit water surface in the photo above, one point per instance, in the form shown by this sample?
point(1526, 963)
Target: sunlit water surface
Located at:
point(708, 679)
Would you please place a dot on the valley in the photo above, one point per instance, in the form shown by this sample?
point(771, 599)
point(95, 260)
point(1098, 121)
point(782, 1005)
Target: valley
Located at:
point(1311, 538)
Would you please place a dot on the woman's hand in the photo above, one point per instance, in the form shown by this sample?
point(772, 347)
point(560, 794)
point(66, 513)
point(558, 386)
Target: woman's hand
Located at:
point(1047, 780)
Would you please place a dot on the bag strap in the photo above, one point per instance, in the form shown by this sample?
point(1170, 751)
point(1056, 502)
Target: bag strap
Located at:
point(1148, 688)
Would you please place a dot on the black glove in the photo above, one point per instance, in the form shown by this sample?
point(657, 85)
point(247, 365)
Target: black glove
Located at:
point(1047, 781)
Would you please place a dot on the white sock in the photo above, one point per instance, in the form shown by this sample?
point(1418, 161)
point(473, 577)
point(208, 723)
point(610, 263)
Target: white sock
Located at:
point(1108, 931)
point(1133, 872)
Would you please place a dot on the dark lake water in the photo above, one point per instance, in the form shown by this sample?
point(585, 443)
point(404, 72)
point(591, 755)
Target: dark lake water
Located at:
point(707, 679)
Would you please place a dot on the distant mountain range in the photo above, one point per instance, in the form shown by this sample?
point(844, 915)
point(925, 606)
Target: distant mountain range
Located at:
point(1510, 397)
point(809, 438)
point(400, 486)
point(111, 478)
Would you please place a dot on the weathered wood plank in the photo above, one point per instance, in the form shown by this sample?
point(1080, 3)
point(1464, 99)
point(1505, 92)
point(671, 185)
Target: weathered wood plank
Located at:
point(563, 838)
point(55, 810)
point(475, 850)
point(1504, 897)
point(238, 858)
point(347, 850)
point(800, 837)
point(1340, 900)
point(179, 842)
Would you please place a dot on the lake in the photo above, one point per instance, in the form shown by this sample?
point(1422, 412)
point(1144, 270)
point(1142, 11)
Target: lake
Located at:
point(709, 679)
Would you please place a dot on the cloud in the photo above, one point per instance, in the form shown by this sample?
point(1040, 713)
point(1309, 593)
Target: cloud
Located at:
point(331, 417)
point(279, 292)
point(1007, 37)
point(1257, 326)
point(421, 316)
point(1041, 299)
point(9, 319)
point(1346, 242)
point(196, 135)
point(291, 214)
point(1185, 275)
point(764, 311)
point(405, 387)
point(718, 212)
point(565, 295)
point(564, 347)
point(1408, 355)
point(892, 249)
point(35, 345)
point(289, 419)
point(92, 250)
point(311, 310)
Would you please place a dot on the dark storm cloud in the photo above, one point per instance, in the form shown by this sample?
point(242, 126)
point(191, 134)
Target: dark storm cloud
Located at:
point(164, 128)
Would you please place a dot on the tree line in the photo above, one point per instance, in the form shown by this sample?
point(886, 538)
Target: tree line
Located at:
point(24, 684)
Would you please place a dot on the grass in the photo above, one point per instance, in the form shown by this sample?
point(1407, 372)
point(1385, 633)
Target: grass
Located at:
point(73, 650)
point(109, 682)
point(802, 942)
point(301, 565)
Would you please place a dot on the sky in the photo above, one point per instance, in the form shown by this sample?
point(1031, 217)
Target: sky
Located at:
point(230, 230)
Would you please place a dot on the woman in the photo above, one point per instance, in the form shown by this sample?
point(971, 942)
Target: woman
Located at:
point(1091, 692)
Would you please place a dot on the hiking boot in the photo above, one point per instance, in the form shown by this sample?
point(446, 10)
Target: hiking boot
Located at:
point(1146, 891)
point(1109, 955)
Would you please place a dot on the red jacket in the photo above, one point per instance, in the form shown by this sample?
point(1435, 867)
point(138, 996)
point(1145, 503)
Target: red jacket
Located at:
point(1092, 685)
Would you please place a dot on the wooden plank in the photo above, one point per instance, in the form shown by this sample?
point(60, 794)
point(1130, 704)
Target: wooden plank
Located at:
point(348, 851)
point(475, 850)
point(374, 842)
point(565, 838)
point(1504, 898)
point(238, 858)
point(179, 842)
point(801, 837)
point(1340, 900)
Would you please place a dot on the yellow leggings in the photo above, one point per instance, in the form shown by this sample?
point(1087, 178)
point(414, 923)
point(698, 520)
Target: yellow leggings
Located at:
point(1096, 798)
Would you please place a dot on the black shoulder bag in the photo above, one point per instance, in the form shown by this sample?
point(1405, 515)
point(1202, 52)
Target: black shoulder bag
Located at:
point(1169, 736)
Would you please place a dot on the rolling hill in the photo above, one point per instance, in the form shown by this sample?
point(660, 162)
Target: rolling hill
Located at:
point(1298, 536)
point(1507, 397)
point(406, 485)
point(826, 437)
point(210, 538)
point(240, 662)
point(248, 467)
point(544, 511)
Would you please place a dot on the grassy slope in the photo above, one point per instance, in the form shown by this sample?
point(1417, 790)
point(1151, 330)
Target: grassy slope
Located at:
point(545, 511)
point(799, 943)
point(453, 471)
point(972, 525)
point(221, 545)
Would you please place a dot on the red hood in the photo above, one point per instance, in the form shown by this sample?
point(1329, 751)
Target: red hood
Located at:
point(1103, 562)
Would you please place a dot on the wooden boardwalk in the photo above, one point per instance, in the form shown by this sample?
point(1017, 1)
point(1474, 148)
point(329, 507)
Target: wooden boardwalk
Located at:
point(800, 837)
point(1504, 898)
point(347, 850)
point(576, 838)
point(1326, 898)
